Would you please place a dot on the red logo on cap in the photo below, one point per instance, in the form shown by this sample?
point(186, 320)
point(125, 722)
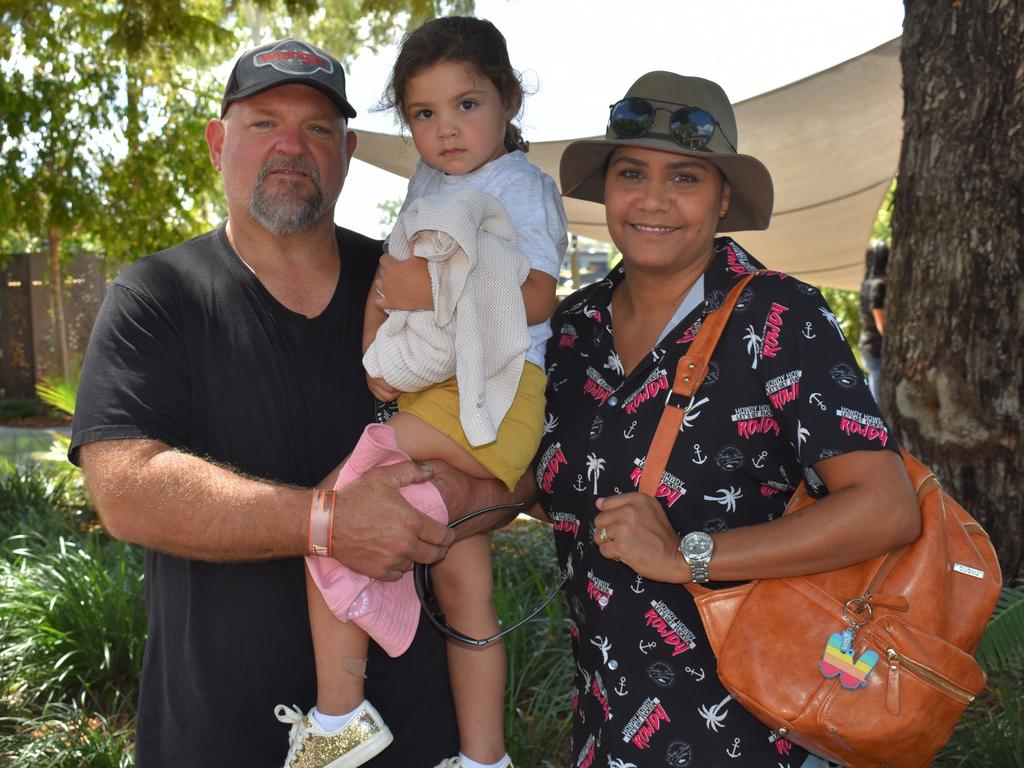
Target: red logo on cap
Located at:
point(293, 58)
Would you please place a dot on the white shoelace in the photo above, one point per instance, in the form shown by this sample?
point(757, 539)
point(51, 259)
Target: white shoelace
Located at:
point(295, 717)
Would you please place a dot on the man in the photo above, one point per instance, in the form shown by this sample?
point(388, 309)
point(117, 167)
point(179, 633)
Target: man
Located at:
point(223, 381)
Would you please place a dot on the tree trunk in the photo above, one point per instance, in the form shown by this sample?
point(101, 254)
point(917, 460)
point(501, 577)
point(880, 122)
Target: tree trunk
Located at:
point(60, 331)
point(954, 347)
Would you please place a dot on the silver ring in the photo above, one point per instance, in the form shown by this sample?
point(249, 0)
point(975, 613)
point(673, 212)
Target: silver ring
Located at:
point(603, 536)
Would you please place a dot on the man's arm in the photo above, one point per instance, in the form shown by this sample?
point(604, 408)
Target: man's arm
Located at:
point(149, 494)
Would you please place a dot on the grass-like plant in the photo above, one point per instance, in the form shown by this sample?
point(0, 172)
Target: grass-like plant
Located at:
point(66, 737)
point(48, 503)
point(72, 623)
point(539, 693)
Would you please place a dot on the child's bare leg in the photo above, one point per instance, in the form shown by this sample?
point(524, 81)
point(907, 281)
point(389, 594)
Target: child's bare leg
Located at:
point(340, 652)
point(421, 441)
point(464, 585)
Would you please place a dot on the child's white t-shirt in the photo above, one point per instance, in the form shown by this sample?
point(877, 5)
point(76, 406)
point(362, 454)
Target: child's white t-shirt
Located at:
point(533, 204)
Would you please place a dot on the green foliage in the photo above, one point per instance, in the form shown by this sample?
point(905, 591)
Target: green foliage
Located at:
point(19, 408)
point(92, 89)
point(882, 229)
point(991, 732)
point(49, 504)
point(1002, 646)
point(846, 307)
point(74, 622)
point(104, 106)
point(66, 737)
point(59, 392)
point(538, 697)
point(388, 215)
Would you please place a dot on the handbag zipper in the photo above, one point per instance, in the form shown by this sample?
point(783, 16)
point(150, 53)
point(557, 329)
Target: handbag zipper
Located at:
point(916, 668)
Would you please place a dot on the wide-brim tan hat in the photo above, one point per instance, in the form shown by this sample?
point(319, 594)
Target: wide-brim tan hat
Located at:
point(752, 195)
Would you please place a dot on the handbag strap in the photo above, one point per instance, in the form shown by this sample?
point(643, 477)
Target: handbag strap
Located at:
point(689, 375)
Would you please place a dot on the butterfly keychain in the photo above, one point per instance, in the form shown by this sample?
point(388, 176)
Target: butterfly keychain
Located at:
point(838, 658)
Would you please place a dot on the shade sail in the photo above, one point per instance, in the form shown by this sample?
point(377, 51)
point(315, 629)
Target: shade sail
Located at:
point(831, 142)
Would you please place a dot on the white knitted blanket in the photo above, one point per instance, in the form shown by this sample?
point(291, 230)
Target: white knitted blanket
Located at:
point(477, 330)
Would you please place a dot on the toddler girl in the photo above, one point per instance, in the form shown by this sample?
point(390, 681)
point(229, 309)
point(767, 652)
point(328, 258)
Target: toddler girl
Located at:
point(454, 88)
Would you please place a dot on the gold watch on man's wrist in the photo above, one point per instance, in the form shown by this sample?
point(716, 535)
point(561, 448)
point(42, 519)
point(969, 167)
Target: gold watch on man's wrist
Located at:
point(697, 548)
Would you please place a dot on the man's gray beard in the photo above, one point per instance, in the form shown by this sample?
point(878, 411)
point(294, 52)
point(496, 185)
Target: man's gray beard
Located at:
point(281, 213)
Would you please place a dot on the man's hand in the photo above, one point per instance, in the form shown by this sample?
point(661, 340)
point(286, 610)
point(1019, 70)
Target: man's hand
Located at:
point(463, 494)
point(377, 532)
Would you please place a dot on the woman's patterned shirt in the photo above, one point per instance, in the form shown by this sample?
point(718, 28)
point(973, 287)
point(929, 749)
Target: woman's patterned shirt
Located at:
point(783, 392)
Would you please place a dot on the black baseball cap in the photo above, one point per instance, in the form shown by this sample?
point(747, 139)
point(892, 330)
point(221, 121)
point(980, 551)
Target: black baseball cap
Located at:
point(284, 62)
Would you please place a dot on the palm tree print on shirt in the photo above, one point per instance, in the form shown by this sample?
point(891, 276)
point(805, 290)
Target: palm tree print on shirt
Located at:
point(594, 468)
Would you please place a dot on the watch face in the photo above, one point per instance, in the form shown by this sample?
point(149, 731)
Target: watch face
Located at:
point(696, 546)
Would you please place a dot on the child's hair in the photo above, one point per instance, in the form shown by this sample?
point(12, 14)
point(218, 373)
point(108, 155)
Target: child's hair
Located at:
point(458, 38)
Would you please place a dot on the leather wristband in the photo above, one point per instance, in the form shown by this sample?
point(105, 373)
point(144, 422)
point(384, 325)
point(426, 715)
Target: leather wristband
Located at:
point(321, 523)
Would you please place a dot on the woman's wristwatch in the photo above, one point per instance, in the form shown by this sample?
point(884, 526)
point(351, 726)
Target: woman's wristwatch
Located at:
point(697, 548)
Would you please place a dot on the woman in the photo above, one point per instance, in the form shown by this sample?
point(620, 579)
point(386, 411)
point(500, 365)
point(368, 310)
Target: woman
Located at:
point(783, 400)
point(872, 314)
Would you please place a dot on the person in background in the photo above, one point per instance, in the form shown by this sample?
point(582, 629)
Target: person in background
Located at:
point(221, 385)
point(872, 314)
point(776, 407)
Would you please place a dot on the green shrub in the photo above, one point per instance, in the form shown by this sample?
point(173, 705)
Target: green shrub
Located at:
point(72, 623)
point(43, 501)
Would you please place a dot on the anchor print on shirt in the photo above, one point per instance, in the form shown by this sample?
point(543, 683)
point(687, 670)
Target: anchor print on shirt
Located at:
point(698, 457)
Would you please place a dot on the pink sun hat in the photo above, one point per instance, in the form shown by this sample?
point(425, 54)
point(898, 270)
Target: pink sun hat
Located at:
point(388, 611)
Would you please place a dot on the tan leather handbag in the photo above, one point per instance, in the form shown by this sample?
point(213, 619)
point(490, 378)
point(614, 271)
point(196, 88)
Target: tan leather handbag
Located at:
point(889, 691)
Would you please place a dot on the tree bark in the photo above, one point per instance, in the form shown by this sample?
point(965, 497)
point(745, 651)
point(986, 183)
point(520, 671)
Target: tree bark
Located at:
point(60, 331)
point(954, 347)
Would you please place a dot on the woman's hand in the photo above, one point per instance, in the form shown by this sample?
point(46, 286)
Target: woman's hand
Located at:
point(633, 529)
point(381, 389)
point(402, 284)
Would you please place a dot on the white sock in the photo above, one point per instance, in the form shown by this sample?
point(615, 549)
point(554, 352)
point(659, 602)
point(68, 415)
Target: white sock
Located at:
point(332, 723)
point(469, 763)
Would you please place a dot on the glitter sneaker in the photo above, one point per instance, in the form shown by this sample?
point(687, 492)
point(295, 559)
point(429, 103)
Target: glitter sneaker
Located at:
point(310, 746)
point(455, 762)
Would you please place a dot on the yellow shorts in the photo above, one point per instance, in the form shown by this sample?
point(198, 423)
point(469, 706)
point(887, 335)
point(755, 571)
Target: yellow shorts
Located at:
point(507, 457)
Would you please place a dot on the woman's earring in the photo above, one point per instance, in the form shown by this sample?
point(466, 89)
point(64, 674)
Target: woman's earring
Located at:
point(721, 214)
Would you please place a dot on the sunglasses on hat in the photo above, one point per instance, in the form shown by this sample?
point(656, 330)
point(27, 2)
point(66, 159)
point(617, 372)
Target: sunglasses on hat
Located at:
point(421, 580)
point(689, 127)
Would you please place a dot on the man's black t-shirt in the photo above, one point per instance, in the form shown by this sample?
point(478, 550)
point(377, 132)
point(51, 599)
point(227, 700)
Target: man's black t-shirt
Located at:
point(190, 349)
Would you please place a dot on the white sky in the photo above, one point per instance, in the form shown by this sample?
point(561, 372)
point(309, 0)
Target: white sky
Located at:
point(579, 56)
